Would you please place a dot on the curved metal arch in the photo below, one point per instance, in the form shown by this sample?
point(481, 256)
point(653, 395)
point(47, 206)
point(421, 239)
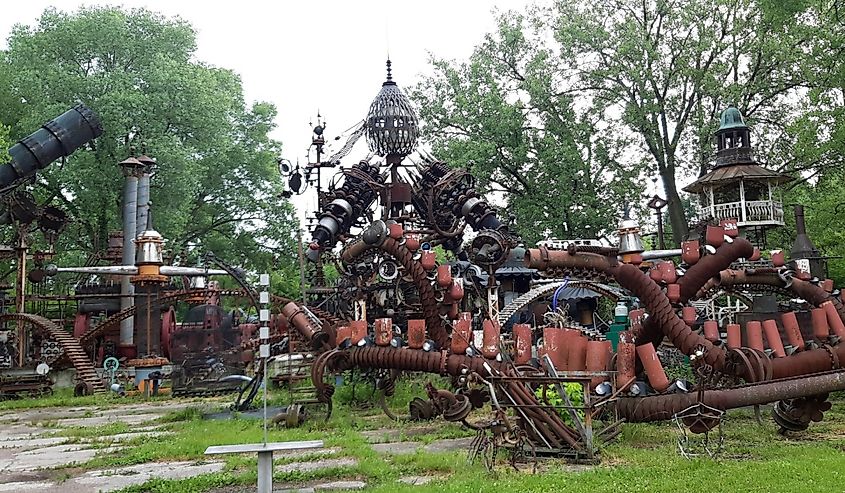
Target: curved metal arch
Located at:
point(546, 289)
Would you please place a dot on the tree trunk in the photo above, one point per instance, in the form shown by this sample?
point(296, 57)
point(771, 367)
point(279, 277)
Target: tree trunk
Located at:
point(677, 218)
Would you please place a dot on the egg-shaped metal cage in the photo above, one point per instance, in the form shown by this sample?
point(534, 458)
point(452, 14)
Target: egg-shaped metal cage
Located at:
point(392, 124)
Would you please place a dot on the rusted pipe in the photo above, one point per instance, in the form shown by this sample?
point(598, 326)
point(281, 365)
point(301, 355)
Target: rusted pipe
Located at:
point(710, 265)
point(653, 368)
point(793, 330)
point(820, 327)
point(523, 341)
point(664, 407)
point(734, 336)
point(770, 328)
point(296, 316)
point(754, 335)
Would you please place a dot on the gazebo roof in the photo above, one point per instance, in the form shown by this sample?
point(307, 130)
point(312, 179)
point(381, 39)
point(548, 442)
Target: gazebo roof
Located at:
point(734, 173)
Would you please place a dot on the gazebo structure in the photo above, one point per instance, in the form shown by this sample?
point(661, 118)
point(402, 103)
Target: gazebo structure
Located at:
point(737, 188)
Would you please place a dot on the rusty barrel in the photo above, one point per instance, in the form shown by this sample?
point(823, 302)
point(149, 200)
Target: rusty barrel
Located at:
point(461, 335)
point(416, 333)
point(491, 338)
point(359, 330)
point(523, 340)
point(598, 356)
point(383, 328)
point(577, 354)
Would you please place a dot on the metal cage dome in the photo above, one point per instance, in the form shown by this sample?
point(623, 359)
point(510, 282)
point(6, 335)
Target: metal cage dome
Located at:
point(392, 124)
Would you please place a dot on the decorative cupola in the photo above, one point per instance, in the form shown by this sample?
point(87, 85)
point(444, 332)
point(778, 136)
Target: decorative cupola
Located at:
point(737, 188)
point(392, 124)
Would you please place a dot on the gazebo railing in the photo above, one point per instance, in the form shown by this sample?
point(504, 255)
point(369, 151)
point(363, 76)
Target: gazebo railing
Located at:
point(749, 212)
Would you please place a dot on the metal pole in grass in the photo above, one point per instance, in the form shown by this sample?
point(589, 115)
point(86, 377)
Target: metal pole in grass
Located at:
point(264, 335)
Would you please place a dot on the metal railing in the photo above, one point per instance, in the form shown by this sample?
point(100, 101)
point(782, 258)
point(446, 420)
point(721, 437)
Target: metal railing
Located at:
point(749, 211)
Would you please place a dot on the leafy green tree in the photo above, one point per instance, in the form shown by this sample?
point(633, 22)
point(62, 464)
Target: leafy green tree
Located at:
point(506, 117)
point(215, 187)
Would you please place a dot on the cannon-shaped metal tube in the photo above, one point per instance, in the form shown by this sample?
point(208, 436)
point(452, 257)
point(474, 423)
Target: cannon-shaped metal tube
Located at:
point(57, 138)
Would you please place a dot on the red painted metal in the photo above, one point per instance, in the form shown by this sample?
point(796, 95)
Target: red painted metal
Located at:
point(416, 333)
point(754, 335)
point(359, 330)
point(344, 332)
point(598, 357)
point(653, 368)
point(756, 255)
point(820, 327)
point(428, 260)
point(625, 364)
point(80, 324)
point(730, 227)
point(556, 345)
point(827, 285)
point(793, 330)
point(833, 319)
point(490, 340)
point(690, 252)
point(711, 330)
point(778, 258)
point(523, 341)
point(673, 292)
point(412, 242)
point(444, 275)
point(770, 327)
point(715, 236)
point(689, 315)
point(456, 291)
point(667, 269)
point(577, 353)
point(461, 334)
point(734, 336)
point(655, 274)
point(383, 328)
point(395, 231)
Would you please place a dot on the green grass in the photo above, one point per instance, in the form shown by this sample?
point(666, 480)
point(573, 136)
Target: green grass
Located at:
point(645, 458)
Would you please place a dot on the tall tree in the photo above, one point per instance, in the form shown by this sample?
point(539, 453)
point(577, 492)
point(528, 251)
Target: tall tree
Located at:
point(215, 188)
point(504, 115)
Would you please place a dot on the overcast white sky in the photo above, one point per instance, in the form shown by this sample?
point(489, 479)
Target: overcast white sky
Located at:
point(302, 56)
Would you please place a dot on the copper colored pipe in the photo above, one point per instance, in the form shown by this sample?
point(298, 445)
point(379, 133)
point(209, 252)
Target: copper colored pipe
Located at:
point(754, 335)
point(653, 369)
point(792, 329)
point(296, 316)
point(770, 328)
point(820, 327)
point(734, 336)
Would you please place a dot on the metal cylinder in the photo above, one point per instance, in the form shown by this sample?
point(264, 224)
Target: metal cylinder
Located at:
point(734, 336)
point(598, 356)
point(344, 332)
point(820, 327)
point(770, 327)
point(444, 275)
point(490, 341)
point(383, 328)
point(523, 341)
point(833, 319)
point(792, 329)
point(668, 273)
point(555, 344)
point(673, 292)
point(359, 330)
point(625, 365)
point(428, 260)
point(59, 137)
point(689, 314)
point(142, 215)
point(130, 209)
point(690, 252)
point(577, 355)
point(754, 335)
point(711, 330)
point(461, 335)
point(653, 368)
point(416, 333)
